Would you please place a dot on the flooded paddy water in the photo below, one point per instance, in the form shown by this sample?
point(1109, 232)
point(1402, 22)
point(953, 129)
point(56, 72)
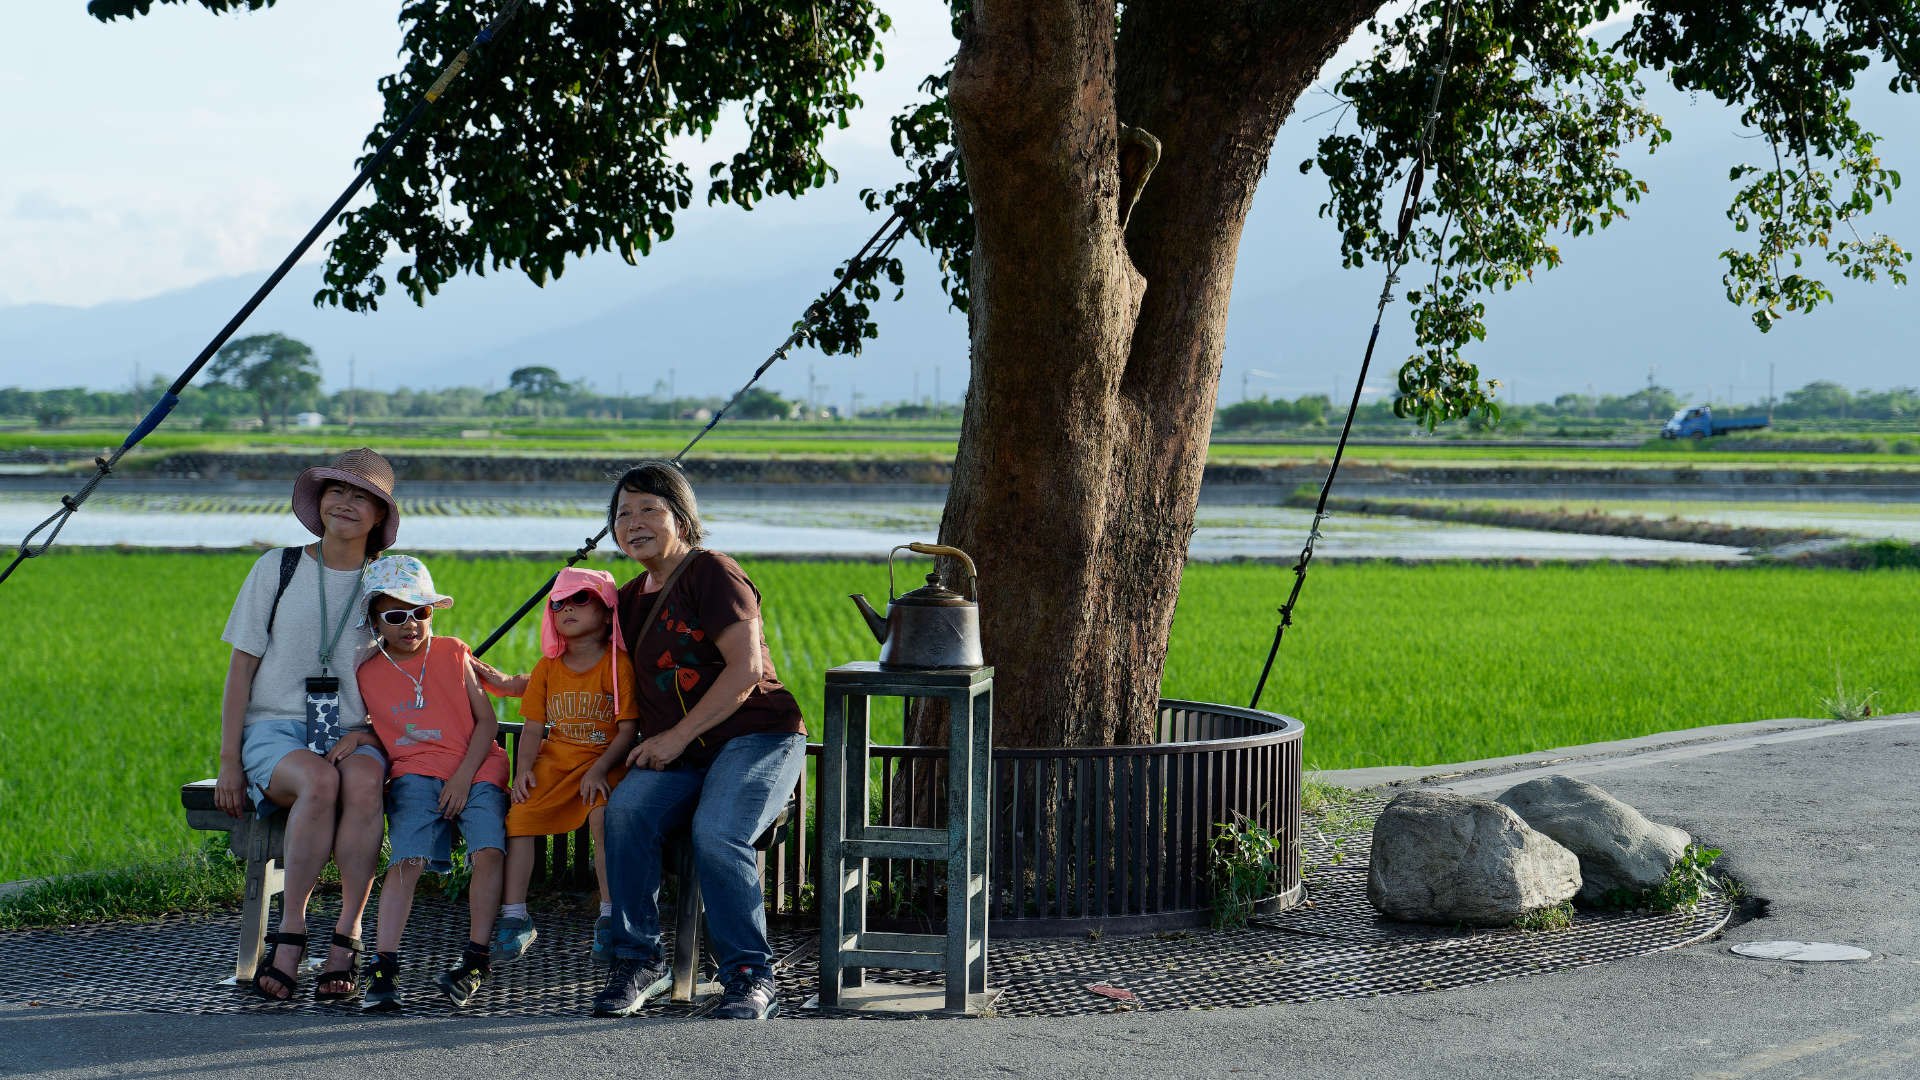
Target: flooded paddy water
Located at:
point(787, 521)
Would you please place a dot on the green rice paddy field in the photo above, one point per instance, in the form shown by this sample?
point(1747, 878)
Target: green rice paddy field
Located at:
point(112, 664)
point(903, 442)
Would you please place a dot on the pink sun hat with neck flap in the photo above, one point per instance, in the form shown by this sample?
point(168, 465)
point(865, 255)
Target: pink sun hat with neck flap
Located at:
point(573, 580)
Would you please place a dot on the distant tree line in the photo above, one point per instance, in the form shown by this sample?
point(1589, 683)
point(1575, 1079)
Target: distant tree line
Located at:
point(1819, 400)
point(274, 377)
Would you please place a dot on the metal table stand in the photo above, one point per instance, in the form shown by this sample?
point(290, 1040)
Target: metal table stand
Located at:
point(848, 839)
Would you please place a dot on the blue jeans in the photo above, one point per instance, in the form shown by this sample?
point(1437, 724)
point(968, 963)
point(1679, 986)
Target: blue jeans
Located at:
point(415, 829)
point(730, 803)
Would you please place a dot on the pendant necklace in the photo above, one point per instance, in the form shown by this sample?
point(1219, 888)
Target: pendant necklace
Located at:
point(419, 684)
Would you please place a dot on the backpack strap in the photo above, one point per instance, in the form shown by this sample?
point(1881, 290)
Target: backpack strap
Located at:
point(289, 562)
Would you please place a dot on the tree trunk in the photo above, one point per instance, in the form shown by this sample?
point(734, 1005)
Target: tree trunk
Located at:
point(1096, 347)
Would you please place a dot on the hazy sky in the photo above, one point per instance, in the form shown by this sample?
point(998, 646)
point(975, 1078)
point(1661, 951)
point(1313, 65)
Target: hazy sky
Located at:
point(181, 148)
point(147, 155)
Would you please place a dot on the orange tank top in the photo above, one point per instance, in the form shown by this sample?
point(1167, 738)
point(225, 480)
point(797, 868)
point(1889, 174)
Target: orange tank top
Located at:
point(429, 738)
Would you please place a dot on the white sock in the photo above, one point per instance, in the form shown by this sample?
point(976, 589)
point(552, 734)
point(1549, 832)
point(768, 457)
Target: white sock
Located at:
point(513, 911)
point(606, 910)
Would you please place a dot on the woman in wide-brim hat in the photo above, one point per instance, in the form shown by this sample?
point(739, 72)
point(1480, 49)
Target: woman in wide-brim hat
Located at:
point(295, 622)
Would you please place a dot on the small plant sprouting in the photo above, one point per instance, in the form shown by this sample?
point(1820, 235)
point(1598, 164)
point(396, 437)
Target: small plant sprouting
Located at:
point(1557, 917)
point(1245, 863)
point(1732, 889)
point(1848, 707)
point(1686, 883)
point(1683, 888)
point(453, 883)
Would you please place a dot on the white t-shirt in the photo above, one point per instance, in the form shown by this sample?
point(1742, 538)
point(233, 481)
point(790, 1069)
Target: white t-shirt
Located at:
point(292, 653)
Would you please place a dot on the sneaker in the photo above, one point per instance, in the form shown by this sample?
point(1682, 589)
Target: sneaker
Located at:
point(748, 997)
point(462, 981)
point(603, 940)
point(630, 983)
point(512, 937)
point(383, 987)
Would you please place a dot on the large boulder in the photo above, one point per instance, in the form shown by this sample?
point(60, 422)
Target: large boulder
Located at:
point(1449, 859)
point(1618, 847)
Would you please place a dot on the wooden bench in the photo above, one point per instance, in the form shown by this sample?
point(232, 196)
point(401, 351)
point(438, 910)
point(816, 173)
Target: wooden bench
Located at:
point(261, 843)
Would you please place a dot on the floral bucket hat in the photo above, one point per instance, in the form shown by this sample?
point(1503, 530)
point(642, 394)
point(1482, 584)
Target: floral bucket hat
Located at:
point(404, 578)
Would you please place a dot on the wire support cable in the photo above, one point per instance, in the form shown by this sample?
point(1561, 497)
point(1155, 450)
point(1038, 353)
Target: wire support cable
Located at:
point(103, 466)
point(1409, 212)
point(878, 246)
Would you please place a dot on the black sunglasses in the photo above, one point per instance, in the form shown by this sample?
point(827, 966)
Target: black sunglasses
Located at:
point(403, 616)
point(579, 599)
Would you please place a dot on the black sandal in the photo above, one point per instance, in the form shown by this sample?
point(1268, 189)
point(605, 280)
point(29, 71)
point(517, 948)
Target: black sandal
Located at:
point(266, 970)
point(349, 974)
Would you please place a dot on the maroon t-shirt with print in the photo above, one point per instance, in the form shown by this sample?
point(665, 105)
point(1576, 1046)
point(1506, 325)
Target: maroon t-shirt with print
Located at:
point(675, 661)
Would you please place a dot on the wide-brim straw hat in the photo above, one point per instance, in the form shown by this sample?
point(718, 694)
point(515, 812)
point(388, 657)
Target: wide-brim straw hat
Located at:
point(363, 469)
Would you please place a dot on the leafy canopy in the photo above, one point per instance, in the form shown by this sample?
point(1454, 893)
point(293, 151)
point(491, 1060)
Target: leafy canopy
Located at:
point(557, 144)
point(1534, 121)
point(537, 381)
point(274, 368)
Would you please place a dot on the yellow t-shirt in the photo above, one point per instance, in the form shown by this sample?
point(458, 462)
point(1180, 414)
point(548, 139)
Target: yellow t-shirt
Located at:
point(577, 707)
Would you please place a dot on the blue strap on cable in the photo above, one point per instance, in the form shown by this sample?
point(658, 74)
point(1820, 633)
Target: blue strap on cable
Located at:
point(153, 419)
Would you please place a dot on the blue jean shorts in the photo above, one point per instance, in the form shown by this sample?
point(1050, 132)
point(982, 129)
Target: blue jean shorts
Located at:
point(415, 829)
point(264, 742)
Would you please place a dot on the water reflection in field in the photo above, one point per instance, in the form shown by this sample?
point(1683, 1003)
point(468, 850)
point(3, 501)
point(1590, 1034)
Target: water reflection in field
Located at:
point(793, 527)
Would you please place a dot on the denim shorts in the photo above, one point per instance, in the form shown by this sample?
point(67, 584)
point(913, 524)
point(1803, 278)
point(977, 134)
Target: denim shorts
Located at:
point(264, 742)
point(416, 830)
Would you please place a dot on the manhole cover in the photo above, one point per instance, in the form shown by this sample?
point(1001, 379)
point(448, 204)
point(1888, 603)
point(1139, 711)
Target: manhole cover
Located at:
point(1810, 951)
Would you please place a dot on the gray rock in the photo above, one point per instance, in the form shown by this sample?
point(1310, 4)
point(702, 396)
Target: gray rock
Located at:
point(1618, 847)
point(1447, 859)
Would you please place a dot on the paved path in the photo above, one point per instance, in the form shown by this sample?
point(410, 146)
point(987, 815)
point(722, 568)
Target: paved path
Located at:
point(1820, 824)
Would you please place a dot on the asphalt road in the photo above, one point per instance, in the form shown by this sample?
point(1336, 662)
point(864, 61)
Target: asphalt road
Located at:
point(1821, 828)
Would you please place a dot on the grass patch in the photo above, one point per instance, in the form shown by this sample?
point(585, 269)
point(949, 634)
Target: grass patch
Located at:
point(113, 665)
point(205, 878)
point(1547, 919)
point(1323, 800)
point(1848, 706)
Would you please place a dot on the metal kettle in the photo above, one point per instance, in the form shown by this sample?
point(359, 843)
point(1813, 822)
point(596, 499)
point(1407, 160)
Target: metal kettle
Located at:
point(932, 626)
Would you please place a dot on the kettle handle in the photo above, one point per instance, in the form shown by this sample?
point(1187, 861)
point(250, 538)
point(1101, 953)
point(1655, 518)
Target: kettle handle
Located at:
point(973, 576)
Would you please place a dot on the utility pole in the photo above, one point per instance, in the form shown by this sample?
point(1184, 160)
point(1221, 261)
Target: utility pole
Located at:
point(352, 396)
point(1243, 387)
point(1769, 392)
point(936, 386)
point(673, 396)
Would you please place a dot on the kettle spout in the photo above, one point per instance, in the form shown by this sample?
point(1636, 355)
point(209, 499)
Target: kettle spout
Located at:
point(875, 621)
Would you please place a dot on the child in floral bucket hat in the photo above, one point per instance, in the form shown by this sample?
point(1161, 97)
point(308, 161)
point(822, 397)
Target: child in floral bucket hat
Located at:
point(437, 726)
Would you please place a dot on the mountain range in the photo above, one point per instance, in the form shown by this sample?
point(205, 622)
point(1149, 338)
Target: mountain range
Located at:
point(710, 305)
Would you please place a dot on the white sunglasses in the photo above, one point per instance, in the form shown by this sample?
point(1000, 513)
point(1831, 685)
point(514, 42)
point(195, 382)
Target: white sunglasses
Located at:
point(403, 616)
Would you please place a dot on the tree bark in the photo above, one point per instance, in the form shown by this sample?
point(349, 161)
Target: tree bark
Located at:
point(1096, 346)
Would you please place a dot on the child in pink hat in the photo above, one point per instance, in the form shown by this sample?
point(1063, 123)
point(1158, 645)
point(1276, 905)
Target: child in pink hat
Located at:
point(580, 723)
